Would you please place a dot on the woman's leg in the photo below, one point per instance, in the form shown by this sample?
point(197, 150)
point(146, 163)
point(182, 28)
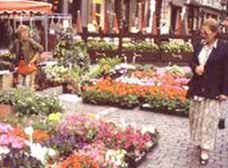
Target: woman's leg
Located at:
point(21, 80)
point(32, 77)
point(194, 117)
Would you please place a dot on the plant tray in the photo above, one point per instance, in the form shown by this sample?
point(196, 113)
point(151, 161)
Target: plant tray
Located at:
point(164, 111)
point(6, 110)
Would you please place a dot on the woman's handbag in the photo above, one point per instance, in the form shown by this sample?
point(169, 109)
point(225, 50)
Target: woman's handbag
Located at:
point(223, 108)
point(221, 124)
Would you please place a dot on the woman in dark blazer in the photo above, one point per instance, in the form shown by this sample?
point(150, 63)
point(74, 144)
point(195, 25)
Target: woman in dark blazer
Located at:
point(207, 88)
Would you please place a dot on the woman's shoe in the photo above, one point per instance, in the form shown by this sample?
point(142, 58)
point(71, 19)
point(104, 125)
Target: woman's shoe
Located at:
point(204, 158)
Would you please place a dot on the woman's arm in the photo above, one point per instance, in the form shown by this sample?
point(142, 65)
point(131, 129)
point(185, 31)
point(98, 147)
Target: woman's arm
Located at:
point(225, 73)
point(38, 48)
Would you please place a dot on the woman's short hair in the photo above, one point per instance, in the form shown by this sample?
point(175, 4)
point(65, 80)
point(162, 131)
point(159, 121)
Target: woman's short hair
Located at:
point(212, 24)
point(20, 29)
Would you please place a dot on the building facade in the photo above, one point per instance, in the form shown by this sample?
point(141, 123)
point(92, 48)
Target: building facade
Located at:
point(167, 16)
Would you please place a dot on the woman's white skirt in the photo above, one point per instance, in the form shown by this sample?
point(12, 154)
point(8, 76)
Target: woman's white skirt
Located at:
point(204, 117)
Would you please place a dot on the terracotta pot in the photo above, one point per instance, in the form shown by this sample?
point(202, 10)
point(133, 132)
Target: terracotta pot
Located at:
point(6, 110)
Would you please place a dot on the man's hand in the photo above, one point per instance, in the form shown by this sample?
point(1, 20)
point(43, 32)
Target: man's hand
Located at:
point(199, 70)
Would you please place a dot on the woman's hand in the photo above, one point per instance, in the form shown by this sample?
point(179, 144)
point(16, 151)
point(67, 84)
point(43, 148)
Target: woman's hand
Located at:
point(222, 97)
point(199, 70)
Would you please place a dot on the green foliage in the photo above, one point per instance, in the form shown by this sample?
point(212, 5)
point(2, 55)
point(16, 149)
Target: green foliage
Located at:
point(176, 47)
point(157, 103)
point(27, 102)
point(105, 98)
point(61, 74)
point(141, 46)
point(104, 66)
point(72, 54)
point(101, 45)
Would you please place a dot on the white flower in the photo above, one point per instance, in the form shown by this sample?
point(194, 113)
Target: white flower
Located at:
point(51, 152)
point(39, 152)
point(29, 131)
point(116, 157)
point(149, 145)
point(4, 150)
point(186, 87)
point(150, 129)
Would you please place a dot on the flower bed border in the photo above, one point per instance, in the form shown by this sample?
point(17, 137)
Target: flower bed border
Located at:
point(138, 163)
point(146, 56)
point(109, 104)
point(164, 111)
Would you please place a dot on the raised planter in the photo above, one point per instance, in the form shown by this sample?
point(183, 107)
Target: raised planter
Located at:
point(6, 110)
point(176, 57)
point(6, 80)
point(97, 54)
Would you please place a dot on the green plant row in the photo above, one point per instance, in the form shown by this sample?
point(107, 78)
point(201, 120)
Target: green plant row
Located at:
point(166, 47)
point(130, 101)
point(105, 98)
point(27, 102)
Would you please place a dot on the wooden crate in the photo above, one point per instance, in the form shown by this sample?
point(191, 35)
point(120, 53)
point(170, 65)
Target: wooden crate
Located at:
point(6, 80)
point(6, 110)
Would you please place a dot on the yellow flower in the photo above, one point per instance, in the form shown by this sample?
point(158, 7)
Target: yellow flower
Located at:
point(93, 116)
point(54, 117)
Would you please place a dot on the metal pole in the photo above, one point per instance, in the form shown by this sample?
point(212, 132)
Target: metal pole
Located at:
point(46, 31)
point(65, 6)
point(84, 13)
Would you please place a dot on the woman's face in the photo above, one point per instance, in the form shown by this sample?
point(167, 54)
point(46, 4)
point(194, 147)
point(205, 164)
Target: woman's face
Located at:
point(207, 34)
point(24, 35)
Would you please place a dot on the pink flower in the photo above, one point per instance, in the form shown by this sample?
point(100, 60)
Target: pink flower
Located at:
point(17, 142)
point(4, 128)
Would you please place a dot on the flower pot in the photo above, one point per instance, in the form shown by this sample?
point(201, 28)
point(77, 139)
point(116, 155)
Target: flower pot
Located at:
point(6, 80)
point(6, 110)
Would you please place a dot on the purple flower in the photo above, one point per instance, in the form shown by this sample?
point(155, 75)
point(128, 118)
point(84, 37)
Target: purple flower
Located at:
point(13, 141)
point(4, 139)
point(4, 128)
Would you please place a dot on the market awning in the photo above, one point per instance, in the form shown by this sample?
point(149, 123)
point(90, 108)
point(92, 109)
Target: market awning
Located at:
point(179, 3)
point(24, 6)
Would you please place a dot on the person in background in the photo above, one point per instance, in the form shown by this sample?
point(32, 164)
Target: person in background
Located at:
point(224, 23)
point(207, 88)
point(27, 52)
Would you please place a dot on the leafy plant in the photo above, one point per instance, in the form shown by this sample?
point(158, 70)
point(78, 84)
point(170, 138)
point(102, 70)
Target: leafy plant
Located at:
point(174, 105)
point(103, 67)
point(27, 102)
point(141, 46)
point(176, 47)
point(101, 45)
point(72, 54)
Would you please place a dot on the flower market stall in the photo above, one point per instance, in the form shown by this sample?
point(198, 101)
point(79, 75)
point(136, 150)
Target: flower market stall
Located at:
point(19, 10)
point(154, 88)
point(19, 6)
point(40, 135)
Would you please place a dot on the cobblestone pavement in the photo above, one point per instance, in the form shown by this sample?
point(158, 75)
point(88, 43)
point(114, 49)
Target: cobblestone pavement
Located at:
point(174, 149)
